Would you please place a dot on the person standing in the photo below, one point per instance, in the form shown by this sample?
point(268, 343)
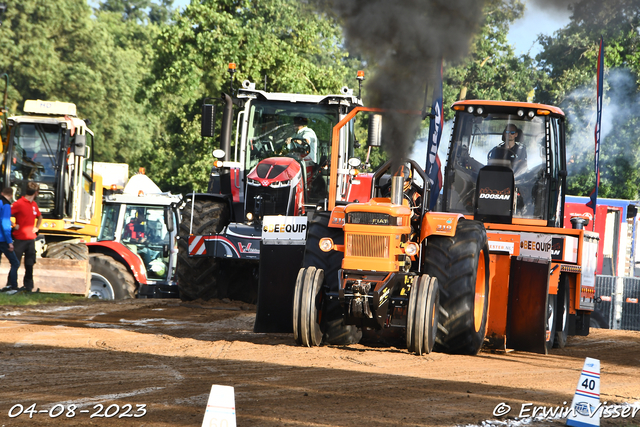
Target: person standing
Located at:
point(6, 241)
point(28, 220)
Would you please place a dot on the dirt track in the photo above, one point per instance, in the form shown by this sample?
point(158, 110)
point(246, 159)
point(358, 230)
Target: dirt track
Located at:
point(167, 354)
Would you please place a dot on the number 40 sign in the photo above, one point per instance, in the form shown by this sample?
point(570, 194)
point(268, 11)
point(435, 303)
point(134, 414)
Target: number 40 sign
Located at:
point(585, 403)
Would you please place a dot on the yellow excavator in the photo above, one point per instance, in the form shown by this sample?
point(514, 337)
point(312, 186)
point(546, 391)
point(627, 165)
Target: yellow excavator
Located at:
point(52, 146)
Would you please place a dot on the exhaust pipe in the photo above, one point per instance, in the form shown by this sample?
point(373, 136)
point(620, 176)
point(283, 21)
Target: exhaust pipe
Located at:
point(397, 184)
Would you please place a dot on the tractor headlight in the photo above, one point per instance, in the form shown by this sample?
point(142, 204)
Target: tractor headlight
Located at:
point(326, 244)
point(411, 248)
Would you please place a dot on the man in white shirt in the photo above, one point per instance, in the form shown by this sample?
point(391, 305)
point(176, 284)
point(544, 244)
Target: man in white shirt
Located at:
point(306, 134)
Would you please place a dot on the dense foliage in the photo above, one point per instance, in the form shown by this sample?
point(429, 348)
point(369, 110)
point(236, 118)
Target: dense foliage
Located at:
point(140, 70)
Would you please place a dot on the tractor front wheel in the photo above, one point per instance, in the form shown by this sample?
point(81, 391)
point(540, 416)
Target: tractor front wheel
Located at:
point(198, 277)
point(422, 317)
point(306, 309)
point(332, 315)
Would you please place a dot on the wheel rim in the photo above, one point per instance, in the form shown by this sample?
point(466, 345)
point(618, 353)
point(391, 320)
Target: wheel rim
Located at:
point(550, 321)
point(480, 294)
point(100, 287)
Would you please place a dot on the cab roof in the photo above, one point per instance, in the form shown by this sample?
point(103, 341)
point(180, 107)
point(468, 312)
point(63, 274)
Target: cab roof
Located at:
point(509, 104)
point(298, 97)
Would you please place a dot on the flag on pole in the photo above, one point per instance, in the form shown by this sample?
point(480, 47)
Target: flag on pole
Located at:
point(435, 133)
point(594, 194)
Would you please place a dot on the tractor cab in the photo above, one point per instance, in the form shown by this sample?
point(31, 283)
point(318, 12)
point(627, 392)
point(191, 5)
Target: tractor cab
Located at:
point(506, 163)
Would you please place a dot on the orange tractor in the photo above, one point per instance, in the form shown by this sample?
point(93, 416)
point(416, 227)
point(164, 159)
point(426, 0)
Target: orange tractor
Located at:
point(482, 271)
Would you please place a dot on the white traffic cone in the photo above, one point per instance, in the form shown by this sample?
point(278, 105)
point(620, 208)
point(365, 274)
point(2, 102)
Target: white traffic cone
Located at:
point(221, 407)
point(585, 408)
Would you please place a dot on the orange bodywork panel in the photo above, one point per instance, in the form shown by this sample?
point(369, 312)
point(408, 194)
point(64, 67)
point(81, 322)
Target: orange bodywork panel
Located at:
point(439, 224)
point(554, 278)
point(337, 217)
point(500, 265)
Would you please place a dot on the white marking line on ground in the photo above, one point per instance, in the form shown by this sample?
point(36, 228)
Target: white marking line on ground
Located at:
point(107, 397)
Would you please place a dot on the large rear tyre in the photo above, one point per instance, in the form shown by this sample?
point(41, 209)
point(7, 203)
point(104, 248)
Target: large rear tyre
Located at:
point(306, 324)
point(422, 318)
point(198, 278)
point(461, 265)
point(332, 316)
point(110, 279)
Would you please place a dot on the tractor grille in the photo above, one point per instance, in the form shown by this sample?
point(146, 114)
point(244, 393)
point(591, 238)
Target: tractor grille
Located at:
point(370, 218)
point(366, 245)
point(274, 200)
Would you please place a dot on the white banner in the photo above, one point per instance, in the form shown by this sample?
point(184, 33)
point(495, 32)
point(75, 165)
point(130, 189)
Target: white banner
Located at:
point(284, 228)
point(535, 245)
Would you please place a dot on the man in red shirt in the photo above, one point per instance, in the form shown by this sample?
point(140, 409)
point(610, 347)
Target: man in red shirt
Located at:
point(28, 220)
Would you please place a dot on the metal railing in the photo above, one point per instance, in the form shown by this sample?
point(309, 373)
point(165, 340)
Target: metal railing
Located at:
point(620, 303)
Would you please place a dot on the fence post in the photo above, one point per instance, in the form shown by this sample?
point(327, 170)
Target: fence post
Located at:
point(617, 303)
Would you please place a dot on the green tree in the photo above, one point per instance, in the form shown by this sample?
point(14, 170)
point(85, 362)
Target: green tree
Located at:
point(285, 41)
point(492, 70)
point(65, 51)
point(569, 59)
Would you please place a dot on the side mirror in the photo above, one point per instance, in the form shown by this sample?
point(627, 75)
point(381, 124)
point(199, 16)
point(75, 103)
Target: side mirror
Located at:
point(208, 124)
point(168, 219)
point(80, 145)
point(375, 131)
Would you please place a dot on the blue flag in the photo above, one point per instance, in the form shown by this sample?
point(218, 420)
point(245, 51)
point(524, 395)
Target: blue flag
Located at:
point(594, 194)
point(435, 133)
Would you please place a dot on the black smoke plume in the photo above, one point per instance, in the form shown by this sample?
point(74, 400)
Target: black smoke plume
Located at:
point(406, 41)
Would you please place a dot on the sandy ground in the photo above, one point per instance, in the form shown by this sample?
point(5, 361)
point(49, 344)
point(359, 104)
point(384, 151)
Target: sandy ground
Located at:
point(166, 355)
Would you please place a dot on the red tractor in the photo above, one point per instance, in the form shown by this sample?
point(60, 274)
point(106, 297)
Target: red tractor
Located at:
point(278, 165)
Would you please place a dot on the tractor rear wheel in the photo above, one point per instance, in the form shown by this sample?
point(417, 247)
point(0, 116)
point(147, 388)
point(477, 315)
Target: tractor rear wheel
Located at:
point(461, 265)
point(67, 250)
point(198, 277)
point(422, 317)
point(110, 279)
point(332, 316)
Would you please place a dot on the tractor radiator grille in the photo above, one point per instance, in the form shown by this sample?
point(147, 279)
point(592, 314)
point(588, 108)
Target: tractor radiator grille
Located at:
point(366, 245)
point(274, 200)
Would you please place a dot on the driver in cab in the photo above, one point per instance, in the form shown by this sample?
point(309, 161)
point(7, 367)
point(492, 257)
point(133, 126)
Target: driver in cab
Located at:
point(134, 230)
point(511, 149)
point(303, 134)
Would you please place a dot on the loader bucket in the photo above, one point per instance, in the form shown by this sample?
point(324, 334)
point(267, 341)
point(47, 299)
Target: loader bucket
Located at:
point(60, 276)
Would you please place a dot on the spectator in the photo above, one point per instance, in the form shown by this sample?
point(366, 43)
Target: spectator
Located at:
point(28, 220)
point(6, 241)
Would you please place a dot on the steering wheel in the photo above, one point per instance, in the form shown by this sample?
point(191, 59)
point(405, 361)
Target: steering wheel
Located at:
point(304, 148)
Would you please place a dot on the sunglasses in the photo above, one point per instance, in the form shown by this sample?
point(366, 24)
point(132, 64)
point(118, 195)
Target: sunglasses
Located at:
point(511, 132)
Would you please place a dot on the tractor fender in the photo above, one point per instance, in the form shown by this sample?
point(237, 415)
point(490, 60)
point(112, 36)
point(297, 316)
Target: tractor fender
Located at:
point(439, 224)
point(337, 217)
point(122, 254)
